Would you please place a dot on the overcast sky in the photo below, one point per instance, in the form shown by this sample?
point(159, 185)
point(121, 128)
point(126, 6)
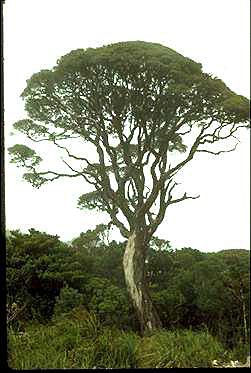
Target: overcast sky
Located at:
point(212, 32)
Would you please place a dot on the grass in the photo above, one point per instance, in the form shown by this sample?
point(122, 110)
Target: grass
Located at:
point(179, 349)
point(241, 352)
point(79, 341)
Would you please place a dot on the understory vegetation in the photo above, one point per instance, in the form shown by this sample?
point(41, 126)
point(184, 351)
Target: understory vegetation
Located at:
point(67, 304)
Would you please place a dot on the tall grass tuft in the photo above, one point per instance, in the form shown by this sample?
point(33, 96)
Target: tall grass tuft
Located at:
point(116, 349)
point(66, 343)
point(41, 347)
point(76, 341)
point(182, 349)
point(126, 345)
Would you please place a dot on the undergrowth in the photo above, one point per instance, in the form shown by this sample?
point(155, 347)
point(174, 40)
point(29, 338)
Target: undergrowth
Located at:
point(78, 340)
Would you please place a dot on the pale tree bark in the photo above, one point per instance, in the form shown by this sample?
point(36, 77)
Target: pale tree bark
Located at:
point(244, 316)
point(134, 269)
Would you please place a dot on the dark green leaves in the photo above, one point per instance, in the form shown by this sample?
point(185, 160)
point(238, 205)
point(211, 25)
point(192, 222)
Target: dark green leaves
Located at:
point(35, 180)
point(238, 106)
point(22, 155)
point(38, 80)
point(28, 127)
point(92, 200)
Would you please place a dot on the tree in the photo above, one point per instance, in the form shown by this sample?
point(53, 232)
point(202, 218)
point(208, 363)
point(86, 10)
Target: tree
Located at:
point(236, 278)
point(31, 282)
point(135, 103)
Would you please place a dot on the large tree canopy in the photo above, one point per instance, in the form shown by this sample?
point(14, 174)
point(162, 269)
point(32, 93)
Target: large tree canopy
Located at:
point(135, 103)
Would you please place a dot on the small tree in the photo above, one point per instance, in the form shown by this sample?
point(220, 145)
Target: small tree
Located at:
point(135, 103)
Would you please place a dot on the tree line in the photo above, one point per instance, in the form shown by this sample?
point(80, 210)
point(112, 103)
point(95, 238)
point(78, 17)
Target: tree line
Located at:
point(190, 289)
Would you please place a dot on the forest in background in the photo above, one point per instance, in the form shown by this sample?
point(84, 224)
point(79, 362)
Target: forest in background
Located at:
point(203, 300)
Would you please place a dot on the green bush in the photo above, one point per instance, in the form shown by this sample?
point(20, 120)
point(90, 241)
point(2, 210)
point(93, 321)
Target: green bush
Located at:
point(68, 299)
point(108, 301)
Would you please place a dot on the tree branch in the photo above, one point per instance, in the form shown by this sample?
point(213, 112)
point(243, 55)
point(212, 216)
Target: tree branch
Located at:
point(219, 152)
point(170, 201)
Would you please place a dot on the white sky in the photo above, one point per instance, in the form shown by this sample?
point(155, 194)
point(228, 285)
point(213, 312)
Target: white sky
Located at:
point(213, 32)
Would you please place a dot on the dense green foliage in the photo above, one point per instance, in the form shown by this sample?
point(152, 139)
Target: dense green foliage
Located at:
point(50, 282)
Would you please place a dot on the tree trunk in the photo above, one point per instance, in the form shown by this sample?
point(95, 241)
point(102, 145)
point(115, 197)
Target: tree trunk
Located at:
point(244, 317)
point(134, 269)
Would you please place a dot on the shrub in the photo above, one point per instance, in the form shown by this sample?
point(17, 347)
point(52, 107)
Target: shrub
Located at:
point(109, 301)
point(68, 299)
